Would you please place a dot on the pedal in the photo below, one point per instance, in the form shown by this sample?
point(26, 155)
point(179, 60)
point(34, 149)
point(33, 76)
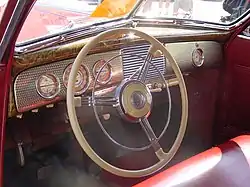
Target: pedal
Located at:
point(20, 154)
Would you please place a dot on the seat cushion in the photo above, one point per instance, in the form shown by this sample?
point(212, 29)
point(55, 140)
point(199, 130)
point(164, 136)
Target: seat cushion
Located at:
point(223, 166)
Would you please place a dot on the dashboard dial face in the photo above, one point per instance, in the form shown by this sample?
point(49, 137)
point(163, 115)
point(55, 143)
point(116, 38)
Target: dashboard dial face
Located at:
point(48, 86)
point(198, 57)
point(106, 73)
point(82, 79)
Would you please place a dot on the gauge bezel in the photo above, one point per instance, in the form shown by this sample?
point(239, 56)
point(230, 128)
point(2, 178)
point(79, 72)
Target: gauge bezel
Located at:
point(58, 86)
point(110, 71)
point(87, 82)
point(200, 51)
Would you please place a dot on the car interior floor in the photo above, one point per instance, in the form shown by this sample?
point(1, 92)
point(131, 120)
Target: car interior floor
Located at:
point(65, 164)
point(51, 156)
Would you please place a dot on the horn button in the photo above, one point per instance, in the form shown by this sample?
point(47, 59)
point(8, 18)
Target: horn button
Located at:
point(135, 100)
point(138, 99)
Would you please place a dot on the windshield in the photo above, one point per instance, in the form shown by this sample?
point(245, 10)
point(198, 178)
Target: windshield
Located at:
point(48, 17)
point(51, 17)
point(213, 11)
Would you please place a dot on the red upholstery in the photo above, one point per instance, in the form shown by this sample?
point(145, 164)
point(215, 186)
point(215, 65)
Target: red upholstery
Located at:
point(223, 166)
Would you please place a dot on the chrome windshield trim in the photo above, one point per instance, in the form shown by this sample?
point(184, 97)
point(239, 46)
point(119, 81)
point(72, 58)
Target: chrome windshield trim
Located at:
point(39, 45)
point(181, 22)
point(36, 46)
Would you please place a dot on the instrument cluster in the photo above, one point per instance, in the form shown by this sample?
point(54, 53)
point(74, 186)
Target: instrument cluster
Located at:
point(48, 84)
point(43, 85)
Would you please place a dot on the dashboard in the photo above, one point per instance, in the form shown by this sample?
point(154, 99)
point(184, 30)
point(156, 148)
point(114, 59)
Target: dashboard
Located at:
point(46, 84)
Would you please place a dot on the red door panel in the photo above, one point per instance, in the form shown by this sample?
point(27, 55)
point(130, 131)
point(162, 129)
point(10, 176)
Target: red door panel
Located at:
point(239, 101)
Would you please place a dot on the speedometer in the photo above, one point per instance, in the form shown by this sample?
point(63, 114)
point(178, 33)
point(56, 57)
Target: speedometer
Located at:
point(82, 79)
point(48, 86)
point(105, 74)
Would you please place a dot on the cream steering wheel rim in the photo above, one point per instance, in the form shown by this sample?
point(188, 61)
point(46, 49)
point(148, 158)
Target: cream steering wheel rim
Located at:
point(166, 157)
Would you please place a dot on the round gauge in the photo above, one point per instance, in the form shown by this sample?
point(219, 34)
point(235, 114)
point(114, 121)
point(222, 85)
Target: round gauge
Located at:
point(106, 73)
point(198, 57)
point(48, 86)
point(82, 79)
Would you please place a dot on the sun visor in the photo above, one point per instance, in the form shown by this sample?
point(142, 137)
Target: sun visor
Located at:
point(113, 8)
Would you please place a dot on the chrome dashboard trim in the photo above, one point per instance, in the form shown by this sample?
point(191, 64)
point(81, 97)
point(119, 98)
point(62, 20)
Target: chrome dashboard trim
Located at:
point(26, 96)
point(133, 58)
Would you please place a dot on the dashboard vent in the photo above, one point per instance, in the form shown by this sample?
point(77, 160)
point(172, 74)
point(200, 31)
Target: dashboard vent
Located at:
point(132, 62)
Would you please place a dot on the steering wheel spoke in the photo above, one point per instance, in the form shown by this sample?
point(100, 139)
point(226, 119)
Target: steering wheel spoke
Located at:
point(98, 101)
point(143, 71)
point(152, 138)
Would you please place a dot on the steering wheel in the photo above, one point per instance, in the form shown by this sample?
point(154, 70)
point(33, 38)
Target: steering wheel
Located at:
point(134, 102)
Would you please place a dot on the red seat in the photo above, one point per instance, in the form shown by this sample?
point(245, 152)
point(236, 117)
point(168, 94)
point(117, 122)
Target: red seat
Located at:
point(223, 166)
